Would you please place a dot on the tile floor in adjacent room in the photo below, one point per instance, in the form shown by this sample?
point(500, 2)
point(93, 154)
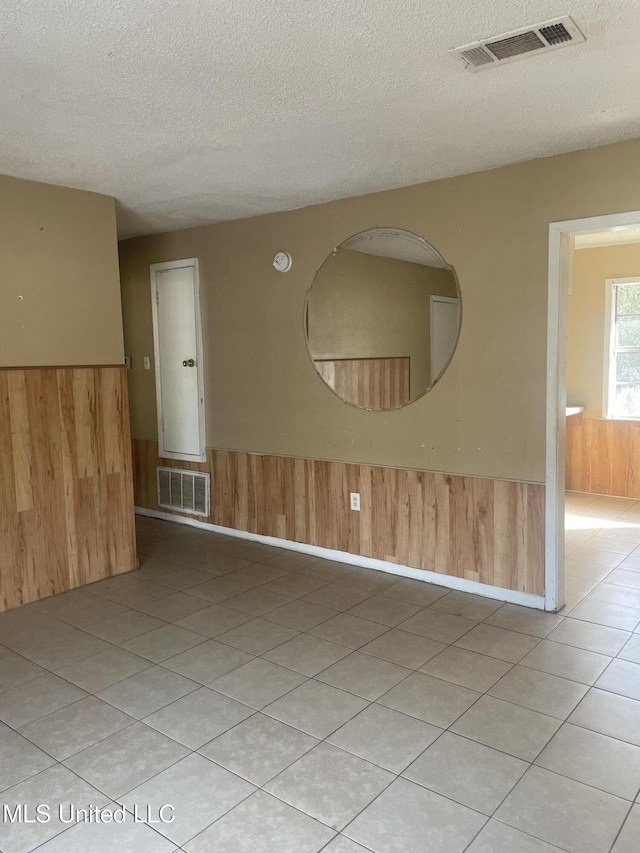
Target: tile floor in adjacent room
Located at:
point(286, 704)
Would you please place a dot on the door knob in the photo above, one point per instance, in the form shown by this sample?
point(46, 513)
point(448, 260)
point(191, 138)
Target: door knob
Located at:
point(188, 362)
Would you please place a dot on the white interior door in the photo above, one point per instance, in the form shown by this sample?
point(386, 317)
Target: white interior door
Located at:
point(443, 332)
point(178, 356)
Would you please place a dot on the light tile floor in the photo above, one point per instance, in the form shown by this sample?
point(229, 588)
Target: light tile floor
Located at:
point(286, 704)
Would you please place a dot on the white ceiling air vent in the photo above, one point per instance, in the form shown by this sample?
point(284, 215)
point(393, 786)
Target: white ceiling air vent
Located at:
point(540, 38)
point(185, 491)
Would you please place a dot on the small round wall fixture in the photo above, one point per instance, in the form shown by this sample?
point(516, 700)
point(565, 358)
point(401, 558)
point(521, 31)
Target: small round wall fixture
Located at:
point(282, 261)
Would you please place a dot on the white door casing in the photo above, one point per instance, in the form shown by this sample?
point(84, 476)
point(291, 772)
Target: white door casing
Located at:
point(177, 342)
point(443, 332)
point(561, 245)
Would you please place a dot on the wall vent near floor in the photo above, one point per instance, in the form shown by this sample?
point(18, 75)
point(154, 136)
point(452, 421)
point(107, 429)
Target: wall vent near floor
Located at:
point(185, 491)
point(539, 38)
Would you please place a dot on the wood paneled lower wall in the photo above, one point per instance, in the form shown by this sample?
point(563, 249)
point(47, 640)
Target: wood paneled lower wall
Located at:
point(373, 383)
point(66, 486)
point(603, 456)
point(490, 531)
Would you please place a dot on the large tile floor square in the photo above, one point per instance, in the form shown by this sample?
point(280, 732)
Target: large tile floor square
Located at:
point(364, 675)
point(307, 655)
point(76, 727)
point(468, 669)
point(594, 759)
point(285, 704)
point(589, 636)
point(127, 837)
point(467, 772)
point(385, 737)
point(54, 787)
point(274, 827)
point(430, 699)
point(259, 748)
point(499, 643)
point(126, 759)
point(142, 694)
point(567, 661)
point(32, 700)
point(208, 661)
point(20, 759)
point(403, 648)
point(539, 691)
point(496, 837)
point(199, 791)
point(329, 784)
point(609, 714)
point(406, 814)
point(316, 708)
point(511, 728)
point(577, 818)
point(258, 683)
point(627, 841)
point(198, 717)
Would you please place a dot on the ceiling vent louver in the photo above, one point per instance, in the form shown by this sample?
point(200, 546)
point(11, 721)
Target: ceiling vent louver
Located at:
point(556, 33)
point(185, 491)
point(539, 38)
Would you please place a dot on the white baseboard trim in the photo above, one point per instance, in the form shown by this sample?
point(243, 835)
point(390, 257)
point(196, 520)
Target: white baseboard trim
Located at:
point(526, 599)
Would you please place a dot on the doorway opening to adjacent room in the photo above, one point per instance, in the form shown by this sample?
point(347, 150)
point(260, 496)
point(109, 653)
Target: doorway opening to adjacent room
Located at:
point(593, 418)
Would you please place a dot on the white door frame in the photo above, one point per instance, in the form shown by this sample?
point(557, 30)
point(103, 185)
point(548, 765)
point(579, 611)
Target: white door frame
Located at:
point(435, 298)
point(172, 265)
point(561, 237)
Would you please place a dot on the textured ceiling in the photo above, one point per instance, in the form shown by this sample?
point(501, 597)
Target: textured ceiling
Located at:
point(396, 243)
point(195, 111)
point(596, 239)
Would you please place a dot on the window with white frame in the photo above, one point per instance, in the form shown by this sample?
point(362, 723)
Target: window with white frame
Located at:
point(622, 340)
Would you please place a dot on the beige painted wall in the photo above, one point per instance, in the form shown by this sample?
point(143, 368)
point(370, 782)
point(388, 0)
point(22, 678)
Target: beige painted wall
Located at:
point(366, 306)
point(485, 417)
point(585, 320)
point(60, 296)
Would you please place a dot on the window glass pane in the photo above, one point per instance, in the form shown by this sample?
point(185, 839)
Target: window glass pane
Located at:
point(628, 332)
point(627, 401)
point(628, 301)
point(628, 367)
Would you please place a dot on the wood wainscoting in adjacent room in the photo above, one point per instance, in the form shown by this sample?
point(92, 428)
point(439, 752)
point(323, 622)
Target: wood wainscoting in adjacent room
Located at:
point(66, 495)
point(483, 530)
point(603, 456)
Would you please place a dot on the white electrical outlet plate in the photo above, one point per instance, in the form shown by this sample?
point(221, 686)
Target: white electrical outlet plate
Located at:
point(127, 361)
point(147, 363)
point(355, 500)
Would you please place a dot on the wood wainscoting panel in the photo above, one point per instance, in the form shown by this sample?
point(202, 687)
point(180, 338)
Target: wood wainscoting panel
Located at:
point(66, 485)
point(603, 456)
point(490, 531)
point(373, 383)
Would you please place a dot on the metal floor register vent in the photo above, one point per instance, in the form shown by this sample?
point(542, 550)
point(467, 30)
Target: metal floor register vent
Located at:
point(186, 491)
